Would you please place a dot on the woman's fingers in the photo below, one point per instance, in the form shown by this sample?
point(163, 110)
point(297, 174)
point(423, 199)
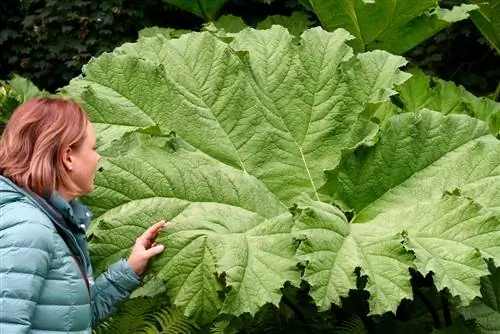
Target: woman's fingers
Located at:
point(153, 230)
point(153, 251)
point(150, 234)
point(145, 248)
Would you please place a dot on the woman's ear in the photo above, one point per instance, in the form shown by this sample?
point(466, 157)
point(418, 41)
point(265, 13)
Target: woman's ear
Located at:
point(67, 159)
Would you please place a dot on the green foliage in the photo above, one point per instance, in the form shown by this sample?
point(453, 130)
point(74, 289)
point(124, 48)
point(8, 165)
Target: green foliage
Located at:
point(487, 19)
point(354, 325)
point(422, 91)
point(14, 92)
point(206, 9)
point(222, 327)
point(223, 132)
point(38, 48)
point(296, 23)
point(433, 210)
point(425, 33)
point(212, 10)
point(486, 311)
point(460, 54)
point(146, 315)
point(295, 314)
point(395, 26)
point(228, 137)
point(230, 23)
point(165, 32)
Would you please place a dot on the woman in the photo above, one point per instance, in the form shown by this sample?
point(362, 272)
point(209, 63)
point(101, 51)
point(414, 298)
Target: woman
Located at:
point(47, 160)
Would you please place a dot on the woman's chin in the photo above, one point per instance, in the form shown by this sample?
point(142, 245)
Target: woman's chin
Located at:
point(87, 190)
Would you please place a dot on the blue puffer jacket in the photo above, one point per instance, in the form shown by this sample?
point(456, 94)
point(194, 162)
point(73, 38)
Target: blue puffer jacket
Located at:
point(43, 289)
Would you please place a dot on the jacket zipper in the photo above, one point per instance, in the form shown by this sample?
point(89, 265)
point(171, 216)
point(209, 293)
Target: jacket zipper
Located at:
point(83, 266)
point(80, 260)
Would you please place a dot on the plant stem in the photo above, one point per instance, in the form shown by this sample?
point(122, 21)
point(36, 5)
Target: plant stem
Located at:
point(496, 95)
point(446, 310)
point(432, 310)
point(297, 311)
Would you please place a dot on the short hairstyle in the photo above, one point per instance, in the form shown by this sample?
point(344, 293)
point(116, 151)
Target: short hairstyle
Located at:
point(34, 140)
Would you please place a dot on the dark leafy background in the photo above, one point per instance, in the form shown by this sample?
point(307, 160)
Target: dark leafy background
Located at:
point(48, 41)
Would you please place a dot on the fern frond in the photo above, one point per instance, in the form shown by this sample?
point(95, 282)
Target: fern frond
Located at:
point(353, 325)
point(267, 320)
point(146, 316)
point(222, 327)
point(129, 318)
point(172, 321)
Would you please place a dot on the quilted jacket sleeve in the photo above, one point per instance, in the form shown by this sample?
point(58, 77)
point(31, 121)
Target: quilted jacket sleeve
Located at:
point(25, 260)
point(111, 287)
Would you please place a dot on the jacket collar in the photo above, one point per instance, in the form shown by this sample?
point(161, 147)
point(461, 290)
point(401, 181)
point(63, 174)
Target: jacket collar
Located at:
point(77, 214)
point(74, 211)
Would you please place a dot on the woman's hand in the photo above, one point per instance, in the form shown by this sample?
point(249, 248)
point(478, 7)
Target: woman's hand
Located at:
point(145, 248)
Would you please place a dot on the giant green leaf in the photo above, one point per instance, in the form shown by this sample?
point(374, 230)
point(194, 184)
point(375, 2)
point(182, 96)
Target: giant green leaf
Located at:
point(393, 25)
point(290, 96)
point(219, 225)
point(434, 156)
point(264, 113)
point(332, 248)
point(487, 19)
point(418, 188)
point(221, 135)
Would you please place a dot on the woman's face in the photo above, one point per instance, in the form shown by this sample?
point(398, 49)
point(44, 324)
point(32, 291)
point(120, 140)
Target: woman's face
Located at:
point(84, 163)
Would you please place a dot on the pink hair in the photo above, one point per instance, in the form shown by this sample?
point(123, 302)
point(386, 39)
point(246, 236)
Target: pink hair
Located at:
point(34, 140)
